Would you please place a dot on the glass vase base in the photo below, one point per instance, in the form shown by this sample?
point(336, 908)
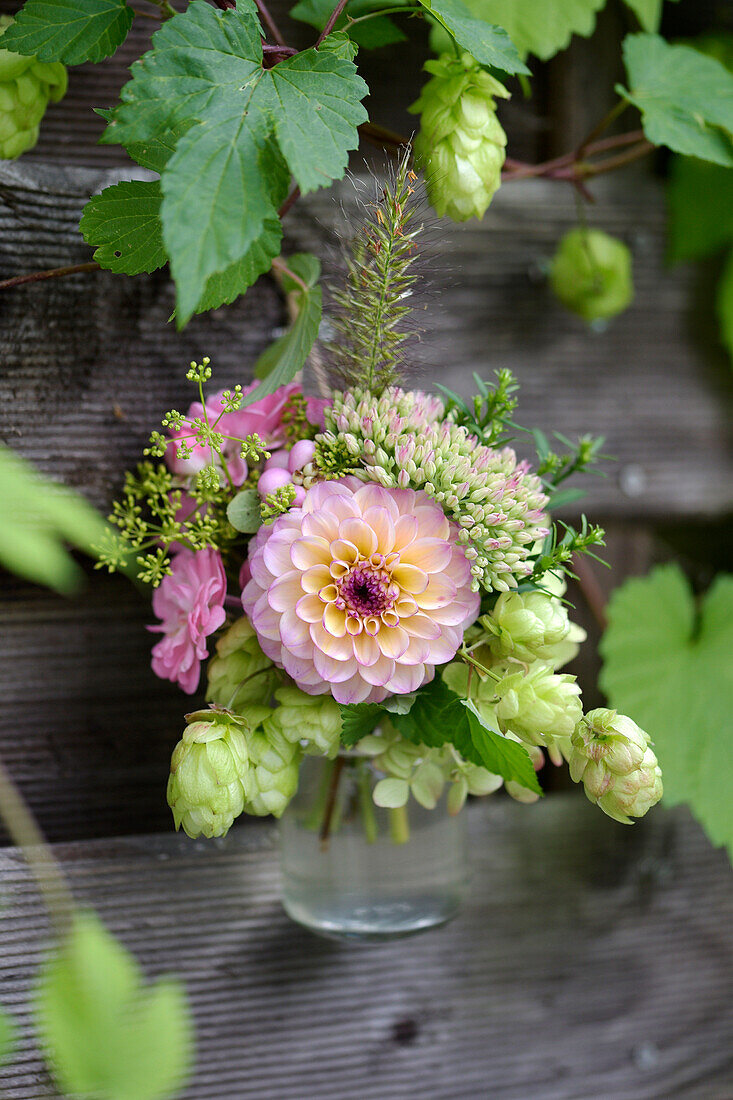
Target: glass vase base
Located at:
point(364, 920)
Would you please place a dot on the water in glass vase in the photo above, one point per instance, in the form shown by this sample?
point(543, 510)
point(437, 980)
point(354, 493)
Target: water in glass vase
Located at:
point(353, 870)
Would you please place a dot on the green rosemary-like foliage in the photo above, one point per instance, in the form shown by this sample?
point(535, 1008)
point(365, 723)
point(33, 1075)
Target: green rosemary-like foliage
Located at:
point(368, 348)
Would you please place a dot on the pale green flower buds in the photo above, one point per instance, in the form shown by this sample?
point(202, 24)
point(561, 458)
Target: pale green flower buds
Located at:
point(591, 274)
point(240, 673)
point(540, 707)
point(208, 784)
point(273, 778)
point(26, 86)
point(313, 721)
point(529, 626)
point(614, 760)
point(461, 144)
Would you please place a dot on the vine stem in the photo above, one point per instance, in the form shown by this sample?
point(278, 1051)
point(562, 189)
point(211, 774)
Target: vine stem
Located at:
point(26, 835)
point(51, 273)
point(338, 767)
point(270, 22)
point(331, 22)
point(282, 268)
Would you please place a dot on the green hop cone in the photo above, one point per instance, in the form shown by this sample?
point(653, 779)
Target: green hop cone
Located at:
point(210, 768)
point(26, 86)
point(591, 274)
point(539, 706)
point(240, 673)
point(614, 760)
point(275, 762)
point(461, 144)
point(314, 721)
point(532, 626)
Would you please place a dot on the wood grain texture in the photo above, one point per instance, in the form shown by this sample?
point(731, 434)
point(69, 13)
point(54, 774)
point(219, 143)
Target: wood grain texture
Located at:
point(591, 961)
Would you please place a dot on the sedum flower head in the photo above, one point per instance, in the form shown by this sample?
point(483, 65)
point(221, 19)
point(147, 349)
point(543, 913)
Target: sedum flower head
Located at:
point(496, 502)
point(614, 760)
point(275, 762)
point(26, 86)
point(237, 675)
point(313, 721)
point(530, 626)
point(208, 784)
point(461, 145)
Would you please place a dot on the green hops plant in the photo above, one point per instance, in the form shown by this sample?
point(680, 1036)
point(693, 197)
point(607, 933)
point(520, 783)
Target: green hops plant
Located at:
point(539, 706)
point(240, 673)
point(26, 86)
point(313, 720)
point(591, 274)
point(614, 760)
point(210, 768)
point(532, 626)
point(461, 144)
point(275, 764)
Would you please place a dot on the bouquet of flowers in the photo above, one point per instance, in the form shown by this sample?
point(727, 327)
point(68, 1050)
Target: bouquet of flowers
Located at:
point(373, 570)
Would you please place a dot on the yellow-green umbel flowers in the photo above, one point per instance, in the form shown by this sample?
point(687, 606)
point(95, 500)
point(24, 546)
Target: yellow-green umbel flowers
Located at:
point(461, 146)
point(591, 274)
point(26, 86)
point(614, 760)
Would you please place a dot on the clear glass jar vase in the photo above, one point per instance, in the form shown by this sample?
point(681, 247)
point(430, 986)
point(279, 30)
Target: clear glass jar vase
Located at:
point(353, 870)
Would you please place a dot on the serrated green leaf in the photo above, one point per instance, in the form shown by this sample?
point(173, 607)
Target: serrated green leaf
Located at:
point(123, 225)
point(225, 287)
point(340, 44)
point(105, 1034)
point(229, 175)
point(291, 350)
point(38, 517)
point(670, 668)
point(71, 31)
point(7, 1036)
point(243, 511)
point(648, 12)
point(700, 208)
point(724, 305)
point(685, 98)
point(540, 27)
point(358, 720)
point(373, 33)
point(497, 753)
point(490, 45)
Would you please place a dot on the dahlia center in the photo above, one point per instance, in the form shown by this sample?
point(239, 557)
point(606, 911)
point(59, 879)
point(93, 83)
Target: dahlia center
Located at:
point(366, 591)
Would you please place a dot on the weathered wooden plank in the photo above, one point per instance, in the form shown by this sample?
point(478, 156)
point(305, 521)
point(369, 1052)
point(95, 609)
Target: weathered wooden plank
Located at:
point(591, 961)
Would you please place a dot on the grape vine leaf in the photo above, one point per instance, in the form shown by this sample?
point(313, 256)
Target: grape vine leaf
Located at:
point(648, 12)
point(38, 517)
point(72, 31)
point(251, 128)
point(670, 667)
point(371, 34)
point(123, 224)
point(106, 1034)
point(358, 720)
point(724, 304)
point(539, 27)
point(685, 98)
point(490, 45)
point(700, 209)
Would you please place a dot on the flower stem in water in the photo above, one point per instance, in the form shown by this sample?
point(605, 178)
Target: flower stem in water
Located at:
point(399, 825)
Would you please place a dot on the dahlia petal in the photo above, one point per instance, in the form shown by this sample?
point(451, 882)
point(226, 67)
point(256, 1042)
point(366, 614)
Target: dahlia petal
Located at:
point(285, 591)
point(430, 554)
point(440, 591)
point(380, 673)
point(341, 649)
point(405, 606)
point(405, 530)
point(433, 522)
point(422, 626)
point(359, 533)
point(276, 553)
point(264, 619)
point(320, 524)
point(458, 613)
point(410, 578)
point(373, 495)
point(333, 671)
point(418, 651)
point(381, 523)
point(353, 625)
point(356, 690)
point(308, 551)
point(407, 678)
point(345, 550)
point(294, 633)
point(393, 641)
point(365, 649)
point(309, 608)
point(334, 620)
point(314, 579)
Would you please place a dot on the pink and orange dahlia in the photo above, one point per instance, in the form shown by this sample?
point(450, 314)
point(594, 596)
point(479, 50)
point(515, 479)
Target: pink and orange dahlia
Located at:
point(361, 591)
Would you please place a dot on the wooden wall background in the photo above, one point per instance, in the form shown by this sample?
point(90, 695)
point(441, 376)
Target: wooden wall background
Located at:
point(87, 366)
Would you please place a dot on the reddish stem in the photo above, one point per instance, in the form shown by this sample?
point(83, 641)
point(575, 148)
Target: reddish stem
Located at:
point(51, 273)
point(270, 22)
point(289, 202)
point(331, 22)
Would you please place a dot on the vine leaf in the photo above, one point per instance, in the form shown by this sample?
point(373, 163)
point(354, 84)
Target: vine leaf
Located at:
point(250, 128)
point(373, 33)
point(488, 44)
point(685, 98)
point(105, 1033)
point(358, 720)
point(71, 31)
point(648, 12)
point(123, 225)
point(670, 668)
point(700, 205)
point(540, 27)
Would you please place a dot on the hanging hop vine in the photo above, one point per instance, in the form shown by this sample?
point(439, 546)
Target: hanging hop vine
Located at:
point(26, 86)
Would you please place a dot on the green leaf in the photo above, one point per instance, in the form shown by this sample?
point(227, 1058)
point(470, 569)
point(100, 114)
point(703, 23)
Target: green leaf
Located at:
point(373, 33)
point(358, 720)
point(71, 31)
point(38, 517)
point(648, 12)
point(250, 128)
point(104, 1033)
point(669, 668)
point(123, 225)
point(685, 98)
point(243, 511)
point(540, 27)
point(488, 44)
point(223, 288)
point(289, 352)
point(700, 208)
point(7, 1036)
point(439, 716)
point(724, 305)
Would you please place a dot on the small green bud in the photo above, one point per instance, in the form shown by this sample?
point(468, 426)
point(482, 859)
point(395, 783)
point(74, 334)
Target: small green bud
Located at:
point(209, 776)
point(614, 760)
point(540, 707)
point(313, 721)
point(529, 626)
point(274, 774)
point(591, 274)
point(26, 86)
point(240, 673)
point(461, 144)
